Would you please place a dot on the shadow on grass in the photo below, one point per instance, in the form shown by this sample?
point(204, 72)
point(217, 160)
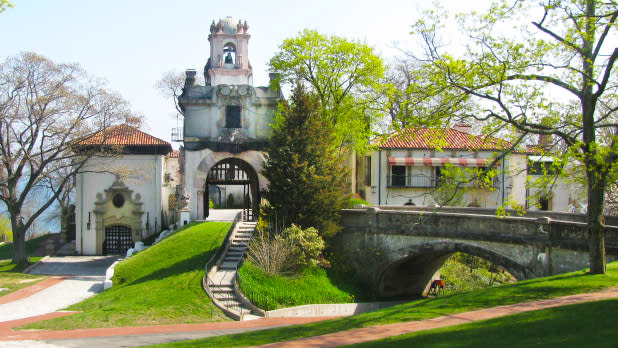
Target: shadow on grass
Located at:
point(186, 265)
point(579, 325)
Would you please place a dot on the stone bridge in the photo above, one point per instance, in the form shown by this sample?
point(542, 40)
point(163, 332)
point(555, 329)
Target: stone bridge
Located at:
point(397, 250)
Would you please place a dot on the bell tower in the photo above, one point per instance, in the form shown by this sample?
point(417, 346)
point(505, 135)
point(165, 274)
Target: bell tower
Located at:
point(229, 60)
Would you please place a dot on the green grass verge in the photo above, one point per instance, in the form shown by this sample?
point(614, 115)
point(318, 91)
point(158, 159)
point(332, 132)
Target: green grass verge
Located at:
point(11, 278)
point(535, 289)
point(160, 285)
point(6, 250)
point(579, 325)
point(311, 285)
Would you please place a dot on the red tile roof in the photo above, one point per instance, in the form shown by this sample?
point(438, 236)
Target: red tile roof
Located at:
point(123, 135)
point(444, 138)
point(174, 154)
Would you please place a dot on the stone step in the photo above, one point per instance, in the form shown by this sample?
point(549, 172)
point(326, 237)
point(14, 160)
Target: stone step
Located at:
point(229, 265)
point(221, 288)
point(237, 248)
point(251, 317)
point(232, 259)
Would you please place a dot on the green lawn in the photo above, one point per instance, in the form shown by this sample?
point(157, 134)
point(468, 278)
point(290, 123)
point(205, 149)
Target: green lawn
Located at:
point(536, 289)
point(160, 285)
point(312, 285)
point(6, 250)
point(11, 278)
point(580, 325)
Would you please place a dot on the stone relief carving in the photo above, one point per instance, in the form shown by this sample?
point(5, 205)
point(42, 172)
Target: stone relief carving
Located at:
point(183, 200)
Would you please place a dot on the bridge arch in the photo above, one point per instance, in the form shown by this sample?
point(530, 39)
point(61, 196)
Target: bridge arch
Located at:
point(410, 274)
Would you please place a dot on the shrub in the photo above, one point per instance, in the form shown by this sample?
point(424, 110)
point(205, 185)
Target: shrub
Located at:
point(290, 250)
point(307, 245)
point(270, 254)
point(352, 202)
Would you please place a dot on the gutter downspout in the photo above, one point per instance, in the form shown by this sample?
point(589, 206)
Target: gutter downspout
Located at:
point(379, 177)
point(503, 182)
point(81, 218)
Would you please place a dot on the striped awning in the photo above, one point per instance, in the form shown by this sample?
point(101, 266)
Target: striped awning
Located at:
point(438, 162)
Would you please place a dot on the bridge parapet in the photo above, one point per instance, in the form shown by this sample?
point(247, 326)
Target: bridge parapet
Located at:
point(552, 230)
point(397, 251)
point(554, 215)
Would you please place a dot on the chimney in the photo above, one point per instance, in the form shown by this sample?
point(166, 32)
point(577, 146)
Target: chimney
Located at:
point(463, 127)
point(545, 141)
point(190, 77)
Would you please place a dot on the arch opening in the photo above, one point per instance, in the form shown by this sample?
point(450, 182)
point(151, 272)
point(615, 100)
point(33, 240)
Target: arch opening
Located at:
point(235, 180)
point(411, 276)
point(229, 54)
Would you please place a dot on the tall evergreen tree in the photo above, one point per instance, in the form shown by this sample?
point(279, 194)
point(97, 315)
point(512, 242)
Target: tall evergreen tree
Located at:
point(307, 181)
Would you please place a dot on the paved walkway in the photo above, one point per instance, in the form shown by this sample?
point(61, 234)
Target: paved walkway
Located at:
point(75, 279)
point(222, 214)
point(377, 332)
point(144, 335)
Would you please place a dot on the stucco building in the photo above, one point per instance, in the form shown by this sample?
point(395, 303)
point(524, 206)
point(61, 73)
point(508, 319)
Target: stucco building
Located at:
point(122, 196)
point(408, 167)
point(226, 122)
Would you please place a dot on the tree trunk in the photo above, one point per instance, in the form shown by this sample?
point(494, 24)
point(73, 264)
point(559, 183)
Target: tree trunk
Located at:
point(19, 243)
point(596, 226)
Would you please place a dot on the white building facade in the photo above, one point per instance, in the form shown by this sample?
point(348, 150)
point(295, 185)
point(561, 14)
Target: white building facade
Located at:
point(226, 122)
point(122, 198)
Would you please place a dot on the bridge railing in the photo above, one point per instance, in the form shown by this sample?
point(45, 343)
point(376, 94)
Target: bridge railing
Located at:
point(554, 215)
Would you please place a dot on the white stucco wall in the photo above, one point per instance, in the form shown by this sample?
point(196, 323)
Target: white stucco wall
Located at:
point(145, 176)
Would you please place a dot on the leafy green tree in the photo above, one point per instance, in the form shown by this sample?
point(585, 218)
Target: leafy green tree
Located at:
point(342, 73)
point(306, 179)
point(551, 76)
point(5, 229)
point(4, 4)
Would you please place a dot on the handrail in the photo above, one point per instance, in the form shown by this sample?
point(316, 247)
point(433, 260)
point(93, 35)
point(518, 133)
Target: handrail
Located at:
point(225, 244)
point(210, 265)
point(241, 286)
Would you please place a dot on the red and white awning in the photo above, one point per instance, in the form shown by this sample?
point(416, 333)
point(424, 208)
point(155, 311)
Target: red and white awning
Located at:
point(438, 162)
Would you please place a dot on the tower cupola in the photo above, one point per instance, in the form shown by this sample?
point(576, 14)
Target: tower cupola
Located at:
point(228, 63)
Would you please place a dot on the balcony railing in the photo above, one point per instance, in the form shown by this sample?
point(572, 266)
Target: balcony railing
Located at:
point(177, 134)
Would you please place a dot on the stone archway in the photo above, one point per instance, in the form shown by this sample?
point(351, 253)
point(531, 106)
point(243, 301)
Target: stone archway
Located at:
point(235, 171)
point(117, 206)
point(410, 275)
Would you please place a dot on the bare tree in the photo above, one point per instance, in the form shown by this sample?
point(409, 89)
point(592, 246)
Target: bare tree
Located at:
point(45, 110)
point(171, 84)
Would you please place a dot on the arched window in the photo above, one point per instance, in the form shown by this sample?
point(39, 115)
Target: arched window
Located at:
point(229, 53)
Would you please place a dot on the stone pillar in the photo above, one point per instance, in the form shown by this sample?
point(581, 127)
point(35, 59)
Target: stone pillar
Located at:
point(99, 228)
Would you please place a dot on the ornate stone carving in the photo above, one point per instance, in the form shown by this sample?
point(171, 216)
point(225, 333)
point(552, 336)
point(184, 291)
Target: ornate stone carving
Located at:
point(183, 200)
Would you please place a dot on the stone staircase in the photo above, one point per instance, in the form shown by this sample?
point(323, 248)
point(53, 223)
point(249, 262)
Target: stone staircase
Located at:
point(221, 278)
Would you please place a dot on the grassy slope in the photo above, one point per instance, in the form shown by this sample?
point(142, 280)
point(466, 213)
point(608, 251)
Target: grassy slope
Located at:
point(10, 277)
point(273, 292)
point(6, 250)
point(535, 289)
point(12, 280)
point(580, 325)
point(161, 285)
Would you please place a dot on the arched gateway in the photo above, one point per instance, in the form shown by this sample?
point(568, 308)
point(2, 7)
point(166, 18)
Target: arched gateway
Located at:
point(227, 122)
point(234, 171)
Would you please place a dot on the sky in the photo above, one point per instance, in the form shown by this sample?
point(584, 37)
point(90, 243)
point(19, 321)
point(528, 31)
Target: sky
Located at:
point(130, 44)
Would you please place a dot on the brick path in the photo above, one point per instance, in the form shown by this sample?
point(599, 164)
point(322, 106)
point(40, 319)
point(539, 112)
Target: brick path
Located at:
point(329, 340)
point(377, 332)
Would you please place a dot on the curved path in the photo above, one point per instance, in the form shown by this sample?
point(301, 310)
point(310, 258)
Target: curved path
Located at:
point(377, 332)
point(143, 335)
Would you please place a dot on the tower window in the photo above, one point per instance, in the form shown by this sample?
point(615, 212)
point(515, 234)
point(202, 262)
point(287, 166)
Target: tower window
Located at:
point(232, 116)
point(229, 54)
